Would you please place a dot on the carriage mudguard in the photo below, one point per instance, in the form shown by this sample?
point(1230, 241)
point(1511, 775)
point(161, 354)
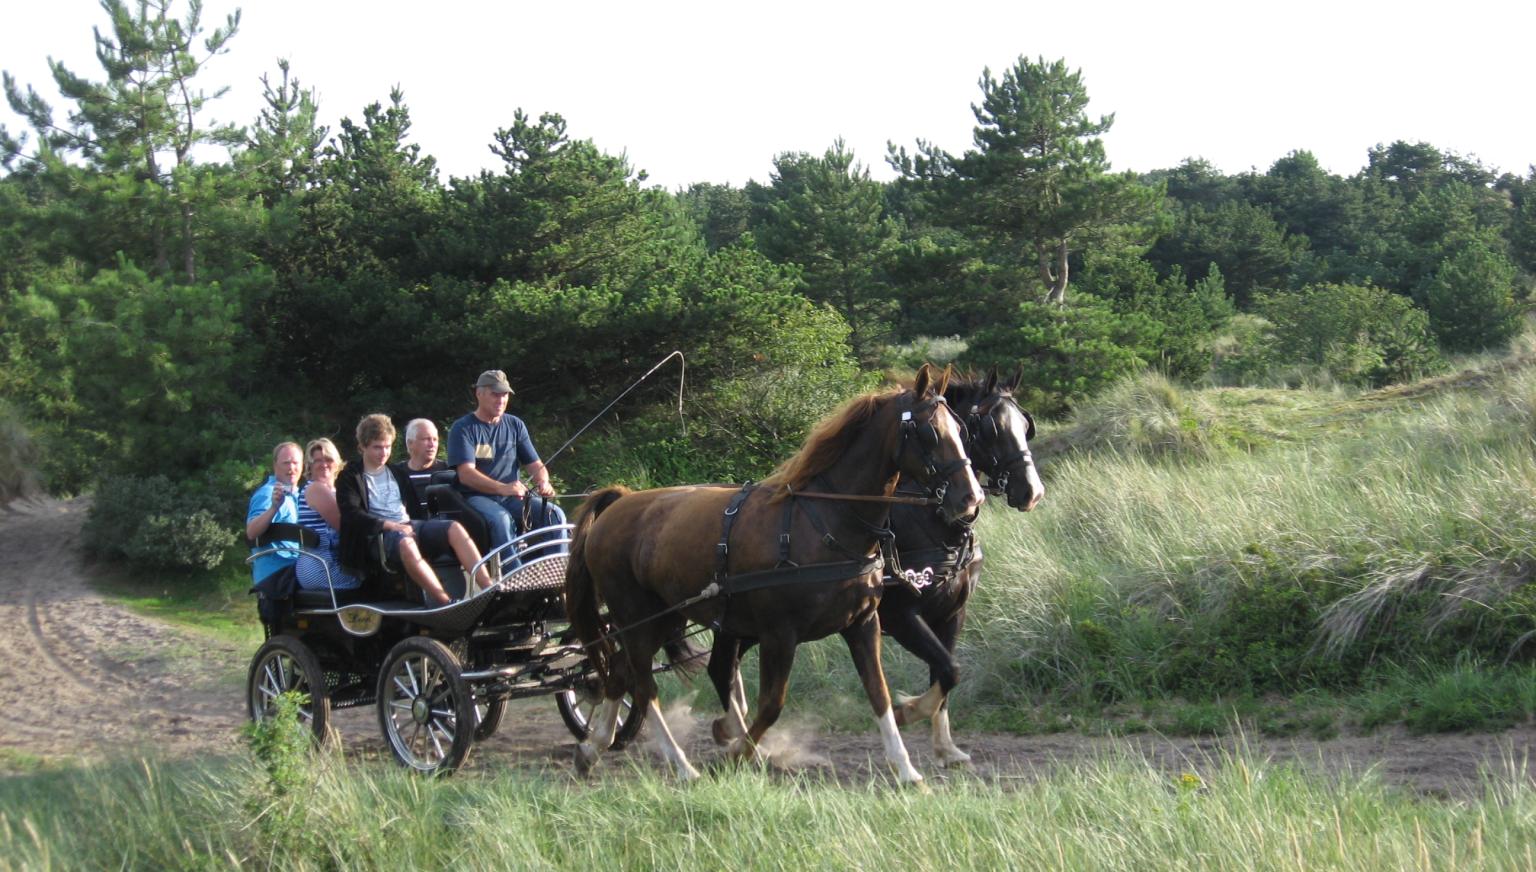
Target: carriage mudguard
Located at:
point(274, 596)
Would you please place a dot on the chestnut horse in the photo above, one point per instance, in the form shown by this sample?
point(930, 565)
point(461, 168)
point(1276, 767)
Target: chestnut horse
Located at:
point(797, 560)
point(926, 617)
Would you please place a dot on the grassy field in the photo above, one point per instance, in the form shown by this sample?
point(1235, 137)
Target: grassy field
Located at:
point(218, 604)
point(1308, 559)
point(1116, 813)
point(1296, 561)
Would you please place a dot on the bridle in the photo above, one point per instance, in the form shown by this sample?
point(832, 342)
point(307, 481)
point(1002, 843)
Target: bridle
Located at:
point(924, 436)
point(981, 440)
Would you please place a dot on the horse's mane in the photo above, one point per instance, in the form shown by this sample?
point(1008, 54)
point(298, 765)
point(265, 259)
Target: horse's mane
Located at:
point(829, 440)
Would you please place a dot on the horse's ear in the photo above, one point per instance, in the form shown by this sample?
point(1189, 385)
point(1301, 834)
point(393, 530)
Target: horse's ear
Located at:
point(1018, 376)
point(991, 381)
point(949, 370)
point(921, 384)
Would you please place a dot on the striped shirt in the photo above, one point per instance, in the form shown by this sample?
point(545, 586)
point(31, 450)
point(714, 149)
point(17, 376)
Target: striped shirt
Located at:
point(311, 572)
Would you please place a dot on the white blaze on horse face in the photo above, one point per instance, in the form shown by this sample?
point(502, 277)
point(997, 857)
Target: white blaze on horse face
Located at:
point(1017, 427)
point(948, 428)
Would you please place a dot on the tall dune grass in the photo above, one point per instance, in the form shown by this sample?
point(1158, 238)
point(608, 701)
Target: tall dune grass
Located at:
point(1118, 812)
point(1237, 543)
point(1392, 526)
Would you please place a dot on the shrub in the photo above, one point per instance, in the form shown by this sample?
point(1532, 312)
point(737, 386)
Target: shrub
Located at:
point(1147, 414)
point(1240, 354)
point(737, 430)
point(1360, 334)
point(156, 525)
point(18, 458)
point(1470, 299)
point(937, 350)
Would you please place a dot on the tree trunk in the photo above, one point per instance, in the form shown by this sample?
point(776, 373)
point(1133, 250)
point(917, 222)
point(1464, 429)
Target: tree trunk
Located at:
point(189, 245)
point(1058, 287)
point(1052, 263)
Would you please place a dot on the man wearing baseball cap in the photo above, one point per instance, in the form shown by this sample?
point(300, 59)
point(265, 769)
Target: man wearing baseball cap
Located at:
point(490, 449)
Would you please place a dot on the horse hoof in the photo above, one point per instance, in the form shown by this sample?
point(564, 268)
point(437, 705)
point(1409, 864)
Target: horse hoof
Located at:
point(718, 730)
point(919, 787)
point(586, 758)
point(957, 760)
point(744, 752)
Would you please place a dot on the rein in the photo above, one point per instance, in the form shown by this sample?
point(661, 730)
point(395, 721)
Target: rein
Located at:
point(861, 498)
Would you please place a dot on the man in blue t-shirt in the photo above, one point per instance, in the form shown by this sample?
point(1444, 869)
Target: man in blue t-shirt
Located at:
point(275, 502)
point(490, 448)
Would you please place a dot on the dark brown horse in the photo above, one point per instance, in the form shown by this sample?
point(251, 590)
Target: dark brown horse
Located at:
point(926, 617)
point(651, 559)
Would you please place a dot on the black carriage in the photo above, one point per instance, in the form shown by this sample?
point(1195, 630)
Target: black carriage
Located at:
point(440, 677)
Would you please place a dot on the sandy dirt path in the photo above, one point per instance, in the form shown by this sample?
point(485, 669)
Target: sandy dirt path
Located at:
point(85, 679)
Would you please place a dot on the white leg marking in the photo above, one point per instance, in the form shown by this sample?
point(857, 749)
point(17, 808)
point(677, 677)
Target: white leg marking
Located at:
point(924, 706)
point(606, 724)
point(736, 718)
point(601, 729)
point(669, 747)
point(944, 746)
point(895, 751)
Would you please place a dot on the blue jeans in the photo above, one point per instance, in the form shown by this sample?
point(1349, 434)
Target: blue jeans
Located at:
point(504, 517)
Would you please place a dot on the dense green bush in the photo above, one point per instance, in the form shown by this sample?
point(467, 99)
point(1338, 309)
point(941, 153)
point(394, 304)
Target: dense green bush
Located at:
point(740, 430)
point(1470, 299)
point(1186, 313)
point(18, 457)
point(1360, 334)
point(154, 524)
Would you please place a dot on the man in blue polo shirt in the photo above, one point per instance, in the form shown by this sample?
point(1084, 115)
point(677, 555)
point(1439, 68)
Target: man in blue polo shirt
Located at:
point(490, 449)
point(275, 502)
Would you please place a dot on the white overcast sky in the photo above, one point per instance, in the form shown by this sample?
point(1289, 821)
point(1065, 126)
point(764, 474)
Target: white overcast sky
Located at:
point(712, 91)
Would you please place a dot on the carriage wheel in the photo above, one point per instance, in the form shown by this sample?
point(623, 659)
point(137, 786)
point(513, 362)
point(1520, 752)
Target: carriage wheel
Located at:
point(488, 713)
point(426, 709)
point(578, 706)
point(282, 665)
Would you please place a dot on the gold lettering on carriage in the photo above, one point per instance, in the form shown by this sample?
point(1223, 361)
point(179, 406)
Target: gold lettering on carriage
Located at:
point(360, 621)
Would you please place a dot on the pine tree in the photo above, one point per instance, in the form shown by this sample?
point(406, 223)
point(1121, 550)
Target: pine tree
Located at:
point(137, 129)
point(1037, 185)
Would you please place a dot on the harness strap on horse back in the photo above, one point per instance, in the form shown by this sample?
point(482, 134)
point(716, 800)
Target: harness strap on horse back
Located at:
point(723, 549)
point(814, 573)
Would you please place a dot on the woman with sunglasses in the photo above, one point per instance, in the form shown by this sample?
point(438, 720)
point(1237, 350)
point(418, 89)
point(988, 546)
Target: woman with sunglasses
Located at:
point(318, 511)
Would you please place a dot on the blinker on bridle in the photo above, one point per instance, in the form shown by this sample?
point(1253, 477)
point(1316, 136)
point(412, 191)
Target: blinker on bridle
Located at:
point(927, 439)
point(981, 435)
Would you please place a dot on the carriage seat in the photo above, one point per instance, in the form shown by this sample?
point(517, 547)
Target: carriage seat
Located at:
point(321, 599)
point(445, 501)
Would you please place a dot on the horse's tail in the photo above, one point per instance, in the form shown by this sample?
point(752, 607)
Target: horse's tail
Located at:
point(687, 657)
point(581, 605)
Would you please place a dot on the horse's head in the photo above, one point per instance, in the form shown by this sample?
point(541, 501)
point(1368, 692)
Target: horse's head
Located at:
point(931, 449)
point(998, 434)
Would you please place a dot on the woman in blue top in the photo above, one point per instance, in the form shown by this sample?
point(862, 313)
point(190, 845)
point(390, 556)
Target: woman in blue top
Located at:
point(318, 512)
